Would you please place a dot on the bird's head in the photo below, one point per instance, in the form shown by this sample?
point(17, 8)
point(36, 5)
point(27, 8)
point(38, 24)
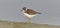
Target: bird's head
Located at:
point(23, 9)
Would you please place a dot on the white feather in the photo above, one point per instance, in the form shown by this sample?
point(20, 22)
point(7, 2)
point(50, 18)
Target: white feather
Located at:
point(30, 16)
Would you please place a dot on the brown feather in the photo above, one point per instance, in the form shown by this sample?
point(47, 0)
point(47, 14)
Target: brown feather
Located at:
point(30, 11)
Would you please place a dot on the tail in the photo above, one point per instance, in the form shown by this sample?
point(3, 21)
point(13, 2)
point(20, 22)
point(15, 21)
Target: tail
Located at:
point(39, 13)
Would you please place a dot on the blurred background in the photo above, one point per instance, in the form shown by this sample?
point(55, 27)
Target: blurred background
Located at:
point(50, 9)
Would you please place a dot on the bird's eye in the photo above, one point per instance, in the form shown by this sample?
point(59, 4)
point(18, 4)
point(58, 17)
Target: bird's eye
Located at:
point(24, 7)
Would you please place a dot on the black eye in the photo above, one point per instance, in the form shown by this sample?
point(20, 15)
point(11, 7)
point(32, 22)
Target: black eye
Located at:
point(23, 8)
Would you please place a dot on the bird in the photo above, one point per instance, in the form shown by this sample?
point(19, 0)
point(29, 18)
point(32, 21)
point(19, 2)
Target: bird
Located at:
point(29, 13)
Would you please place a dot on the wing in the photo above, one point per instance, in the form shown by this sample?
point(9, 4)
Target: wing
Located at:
point(30, 11)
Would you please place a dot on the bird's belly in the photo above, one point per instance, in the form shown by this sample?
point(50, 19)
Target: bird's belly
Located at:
point(29, 15)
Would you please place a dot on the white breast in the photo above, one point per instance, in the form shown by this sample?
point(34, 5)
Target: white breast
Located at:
point(29, 15)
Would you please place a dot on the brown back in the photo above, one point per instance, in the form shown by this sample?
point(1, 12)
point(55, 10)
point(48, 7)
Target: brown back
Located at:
point(30, 11)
